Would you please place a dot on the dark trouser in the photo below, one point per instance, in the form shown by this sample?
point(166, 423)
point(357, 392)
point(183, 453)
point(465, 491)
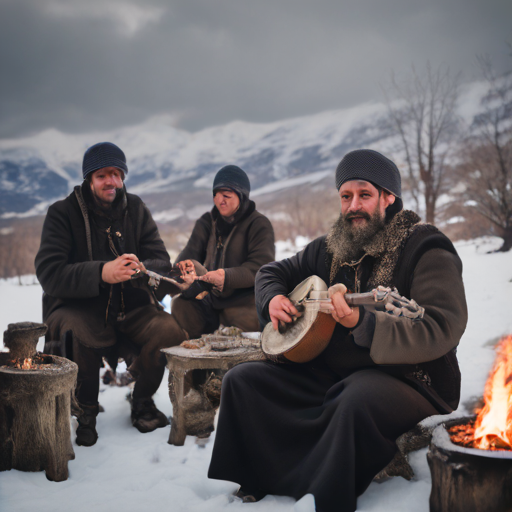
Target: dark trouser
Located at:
point(198, 317)
point(286, 430)
point(146, 328)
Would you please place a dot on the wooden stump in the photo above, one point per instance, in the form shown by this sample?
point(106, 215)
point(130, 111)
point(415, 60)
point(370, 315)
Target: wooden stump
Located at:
point(468, 479)
point(194, 406)
point(35, 409)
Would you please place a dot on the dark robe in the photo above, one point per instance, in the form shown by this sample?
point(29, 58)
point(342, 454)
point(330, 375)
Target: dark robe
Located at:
point(329, 426)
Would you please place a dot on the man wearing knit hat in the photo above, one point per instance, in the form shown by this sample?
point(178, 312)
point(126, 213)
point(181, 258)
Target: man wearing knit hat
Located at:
point(92, 244)
point(227, 247)
point(328, 426)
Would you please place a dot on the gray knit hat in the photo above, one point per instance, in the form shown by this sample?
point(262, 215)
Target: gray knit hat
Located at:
point(103, 154)
point(234, 178)
point(369, 165)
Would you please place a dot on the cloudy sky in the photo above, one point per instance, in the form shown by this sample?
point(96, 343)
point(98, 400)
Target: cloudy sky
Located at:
point(82, 65)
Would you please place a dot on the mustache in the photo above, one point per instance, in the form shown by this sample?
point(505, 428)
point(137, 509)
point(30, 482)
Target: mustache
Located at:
point(355, 215)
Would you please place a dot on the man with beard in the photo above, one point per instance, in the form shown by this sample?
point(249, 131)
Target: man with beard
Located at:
point(92, 244)
point(327, 427)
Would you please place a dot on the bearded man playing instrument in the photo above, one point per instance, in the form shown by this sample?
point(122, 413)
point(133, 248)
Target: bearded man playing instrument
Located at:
point(328, 426)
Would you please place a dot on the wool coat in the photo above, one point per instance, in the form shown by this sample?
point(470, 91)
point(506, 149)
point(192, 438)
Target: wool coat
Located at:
point(74, 247)
point(89, 319)
point(248, 246)
point(423, 265)
point(327, 427)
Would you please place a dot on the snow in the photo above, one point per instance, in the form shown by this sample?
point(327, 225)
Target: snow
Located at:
point(130, 471)
point(292, 182)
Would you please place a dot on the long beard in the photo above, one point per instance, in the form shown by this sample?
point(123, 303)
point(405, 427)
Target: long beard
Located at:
point(347, 241)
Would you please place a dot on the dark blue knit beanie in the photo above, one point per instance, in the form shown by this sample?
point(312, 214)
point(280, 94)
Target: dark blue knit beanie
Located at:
point(369, 165)
point(234, 178)
point(103, 154)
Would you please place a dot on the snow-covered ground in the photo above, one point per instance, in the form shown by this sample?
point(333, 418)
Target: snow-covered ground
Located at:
point(129, 471)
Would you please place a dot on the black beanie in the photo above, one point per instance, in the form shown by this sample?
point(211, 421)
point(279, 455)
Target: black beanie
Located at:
point(369, 165)
point(103, 154)
point(234, 178)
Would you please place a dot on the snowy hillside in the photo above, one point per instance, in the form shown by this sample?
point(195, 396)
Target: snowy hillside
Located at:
point(164, 160)
point(131, 472)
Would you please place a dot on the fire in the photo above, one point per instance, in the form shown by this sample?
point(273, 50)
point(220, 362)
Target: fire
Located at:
point(27, 364)
point(493, 425)
point(35, 363)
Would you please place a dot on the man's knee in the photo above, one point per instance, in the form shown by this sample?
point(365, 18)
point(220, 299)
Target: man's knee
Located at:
point(164, 332)
point(189, 316)
point(243, 375)
point(244, 318)
point(374, 398)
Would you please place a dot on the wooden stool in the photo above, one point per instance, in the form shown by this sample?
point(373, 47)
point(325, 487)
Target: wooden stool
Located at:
point(193, 411)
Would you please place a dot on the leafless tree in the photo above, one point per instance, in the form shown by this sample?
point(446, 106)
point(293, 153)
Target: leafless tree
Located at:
point(486, 168)
point(422, 111)
point(19, 243)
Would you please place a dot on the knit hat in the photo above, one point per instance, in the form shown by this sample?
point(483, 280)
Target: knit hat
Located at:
point(234, 178)
point(103, 154)
point(369, 165)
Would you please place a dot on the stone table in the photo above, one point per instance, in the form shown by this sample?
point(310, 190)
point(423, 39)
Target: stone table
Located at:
point(193, 411)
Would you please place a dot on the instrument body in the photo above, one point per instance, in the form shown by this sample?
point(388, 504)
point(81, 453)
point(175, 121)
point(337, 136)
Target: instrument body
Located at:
point(308, 335)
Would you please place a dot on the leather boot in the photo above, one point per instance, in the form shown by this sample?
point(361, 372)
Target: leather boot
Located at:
point(86, 434)
point(248, 496)
point(145, 416)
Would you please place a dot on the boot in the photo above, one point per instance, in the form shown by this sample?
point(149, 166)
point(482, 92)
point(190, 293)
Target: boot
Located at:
point(248, 496)
point(145, 416)
point(86, 434)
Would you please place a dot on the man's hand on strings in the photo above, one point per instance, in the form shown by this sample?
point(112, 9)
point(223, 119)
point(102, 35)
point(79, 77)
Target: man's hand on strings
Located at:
point(280, 308)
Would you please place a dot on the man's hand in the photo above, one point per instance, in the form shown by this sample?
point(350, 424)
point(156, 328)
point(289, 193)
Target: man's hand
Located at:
point(188, 271)
point(280, 308)
point(340, 310)
point(215, 277)
point(121, 269)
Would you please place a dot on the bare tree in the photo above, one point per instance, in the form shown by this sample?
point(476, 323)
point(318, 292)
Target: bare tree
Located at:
point(486, 168)
point(19, 243)
point(423, 115)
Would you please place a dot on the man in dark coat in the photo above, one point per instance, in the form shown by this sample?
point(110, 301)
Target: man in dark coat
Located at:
point(327, 427)
point(92, 244)
point(227, 247)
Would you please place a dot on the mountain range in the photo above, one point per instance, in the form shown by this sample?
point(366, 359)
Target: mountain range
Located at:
point(173, 170)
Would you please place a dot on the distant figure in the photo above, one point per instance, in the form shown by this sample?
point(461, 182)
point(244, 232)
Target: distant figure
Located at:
point(328, 426)
point(227, 247)
point(92, 244)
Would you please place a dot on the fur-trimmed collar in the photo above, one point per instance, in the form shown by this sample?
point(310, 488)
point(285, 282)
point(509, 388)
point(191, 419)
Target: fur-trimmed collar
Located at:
point(385, 248)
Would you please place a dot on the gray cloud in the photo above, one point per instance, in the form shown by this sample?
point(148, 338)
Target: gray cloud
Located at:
point(80, 66)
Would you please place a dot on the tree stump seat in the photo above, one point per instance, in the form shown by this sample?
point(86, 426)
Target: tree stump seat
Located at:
point(35, 406)
point(194, 401)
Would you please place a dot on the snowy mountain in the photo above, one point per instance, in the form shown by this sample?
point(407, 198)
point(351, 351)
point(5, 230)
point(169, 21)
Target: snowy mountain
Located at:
point(172, 169)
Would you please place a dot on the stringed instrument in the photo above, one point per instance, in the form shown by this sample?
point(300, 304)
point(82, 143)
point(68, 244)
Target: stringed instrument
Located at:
point(308, 335)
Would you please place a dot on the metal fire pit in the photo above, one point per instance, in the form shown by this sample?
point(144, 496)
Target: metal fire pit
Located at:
point(468, 479)
point(35, 406)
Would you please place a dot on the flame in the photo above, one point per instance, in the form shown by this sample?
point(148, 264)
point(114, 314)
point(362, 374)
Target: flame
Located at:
point(493, 425)
point(27, 364)
point(23, 364)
